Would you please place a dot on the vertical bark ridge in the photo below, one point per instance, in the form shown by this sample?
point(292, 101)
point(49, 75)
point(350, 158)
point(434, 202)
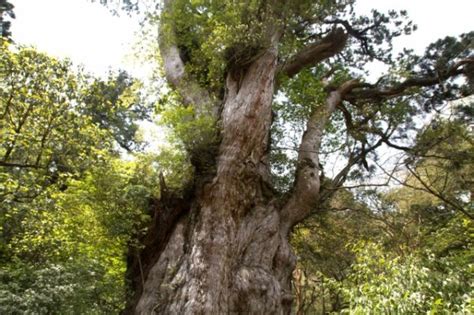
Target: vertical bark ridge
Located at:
point(228, 254)
point(250, 274)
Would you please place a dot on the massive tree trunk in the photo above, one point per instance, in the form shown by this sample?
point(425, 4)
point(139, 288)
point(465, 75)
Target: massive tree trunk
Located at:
point(227, 250)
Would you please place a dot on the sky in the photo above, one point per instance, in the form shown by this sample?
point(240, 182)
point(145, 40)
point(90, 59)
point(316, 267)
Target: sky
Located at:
point(85, 32)
point(435, 19)
point(90, 35)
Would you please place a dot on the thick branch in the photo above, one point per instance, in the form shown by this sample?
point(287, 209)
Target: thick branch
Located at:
point(312, 54)
point(360, 92)
point(307, 181)
point(174, 68)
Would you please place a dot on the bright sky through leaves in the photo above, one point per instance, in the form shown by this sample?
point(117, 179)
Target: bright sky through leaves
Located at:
point(88, 34)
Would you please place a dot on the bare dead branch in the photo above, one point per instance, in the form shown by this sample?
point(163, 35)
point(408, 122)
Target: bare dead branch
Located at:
point(440, 196)
point(360, 35)
point(425, 188)
point(340, 178)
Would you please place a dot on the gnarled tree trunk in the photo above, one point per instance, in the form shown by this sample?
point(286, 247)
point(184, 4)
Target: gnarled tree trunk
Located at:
point(227, 250)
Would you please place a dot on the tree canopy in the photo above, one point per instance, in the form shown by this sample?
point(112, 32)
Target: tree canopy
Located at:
point(61, 134)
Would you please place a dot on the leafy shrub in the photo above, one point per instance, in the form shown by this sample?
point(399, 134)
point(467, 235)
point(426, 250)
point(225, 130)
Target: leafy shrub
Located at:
point(414, 284)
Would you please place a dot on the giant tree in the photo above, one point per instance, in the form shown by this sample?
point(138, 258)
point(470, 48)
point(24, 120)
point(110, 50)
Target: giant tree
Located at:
point(236, 69)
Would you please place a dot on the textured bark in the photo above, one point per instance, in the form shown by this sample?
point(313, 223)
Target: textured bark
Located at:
point(314, 53)
point(227, 253)
point(307, 182)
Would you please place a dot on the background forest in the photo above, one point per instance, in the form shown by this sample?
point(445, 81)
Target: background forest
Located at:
point(77, 188)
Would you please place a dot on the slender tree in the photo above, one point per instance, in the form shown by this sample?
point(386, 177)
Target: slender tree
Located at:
point(220, 246)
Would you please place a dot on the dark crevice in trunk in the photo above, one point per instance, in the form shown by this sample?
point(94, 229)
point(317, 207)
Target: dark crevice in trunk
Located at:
point(166, 212)
point(204, 160)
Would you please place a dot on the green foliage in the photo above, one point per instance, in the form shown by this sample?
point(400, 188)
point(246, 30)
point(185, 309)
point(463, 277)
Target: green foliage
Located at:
point(188, 128)
point(175, 166)
point(44, 140)
point(425, 284)
point(216, 36)
point(189, 136)
point(73, 243)
point(413, 251)
point(323, 257)
point(116, 105)
point(72, 287)
point(69, 206)
point(77, 245)
point(369, 277)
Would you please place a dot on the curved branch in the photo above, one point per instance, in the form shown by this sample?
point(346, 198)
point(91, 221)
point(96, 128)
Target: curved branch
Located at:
point(314, 53)
point(307, 182)
point(360, 92)
point(175, 71)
